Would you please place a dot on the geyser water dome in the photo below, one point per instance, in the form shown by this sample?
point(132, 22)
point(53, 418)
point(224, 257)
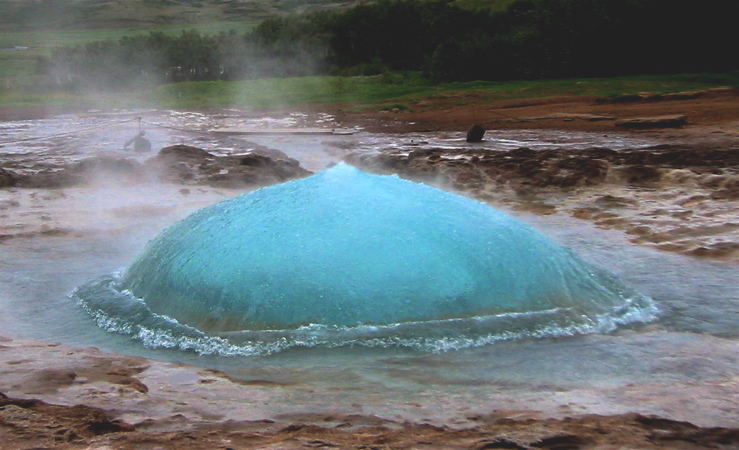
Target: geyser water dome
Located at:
point(348, 248)
point(368, 258)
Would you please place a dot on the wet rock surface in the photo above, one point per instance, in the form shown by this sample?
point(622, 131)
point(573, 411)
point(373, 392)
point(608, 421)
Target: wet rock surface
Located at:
point(673, 197)
point(180, 164)
point(7, 178)
point(28, 423)
point(190, 165)
point(31, 422)
point(188, 407)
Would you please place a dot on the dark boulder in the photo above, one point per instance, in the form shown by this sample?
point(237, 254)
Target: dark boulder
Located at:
point(255, 160)
point(475, 133)
point(182, 152)
point(192, 165)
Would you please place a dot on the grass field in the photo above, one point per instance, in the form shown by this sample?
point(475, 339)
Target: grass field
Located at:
point(491, 5)
point(396, 90)
point(17, 67)
point(29, 30)
point(36, 27)
point(18, 15)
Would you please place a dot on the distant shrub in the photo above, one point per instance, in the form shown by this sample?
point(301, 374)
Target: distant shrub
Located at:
point(526, 39)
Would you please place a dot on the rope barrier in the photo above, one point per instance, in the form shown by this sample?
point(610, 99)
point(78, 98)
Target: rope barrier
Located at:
point(182, 130)
point(68, 133)
point(167, 127)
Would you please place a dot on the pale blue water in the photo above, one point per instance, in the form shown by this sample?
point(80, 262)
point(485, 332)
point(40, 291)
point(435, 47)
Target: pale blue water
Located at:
point(345, 257)
point(693, 341)
point(698, 301)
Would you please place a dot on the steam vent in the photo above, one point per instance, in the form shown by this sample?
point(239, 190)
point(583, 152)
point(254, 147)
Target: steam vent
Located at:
point(346, 248)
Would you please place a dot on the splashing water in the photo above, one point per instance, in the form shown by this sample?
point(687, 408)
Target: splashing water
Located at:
point(345, 257)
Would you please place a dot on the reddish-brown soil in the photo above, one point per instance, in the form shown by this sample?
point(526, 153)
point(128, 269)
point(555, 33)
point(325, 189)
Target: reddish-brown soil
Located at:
point(707, 109)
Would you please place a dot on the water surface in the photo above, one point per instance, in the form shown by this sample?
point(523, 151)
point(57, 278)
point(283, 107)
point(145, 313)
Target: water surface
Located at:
point(692, 346)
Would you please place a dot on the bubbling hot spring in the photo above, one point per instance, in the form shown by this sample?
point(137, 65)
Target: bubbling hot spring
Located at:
point(348, 258)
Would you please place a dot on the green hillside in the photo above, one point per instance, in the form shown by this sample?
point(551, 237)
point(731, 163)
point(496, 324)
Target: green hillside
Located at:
point(31, 28)
point(19, 50)
point(19, 15)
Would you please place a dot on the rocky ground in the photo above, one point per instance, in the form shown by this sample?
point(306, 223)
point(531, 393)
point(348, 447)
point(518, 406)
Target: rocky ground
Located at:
point(707, 114)
point(180, 164)
point(93, 399)
point(681, 196)
point(672, 197)
point(36, 424)
point(86, 197)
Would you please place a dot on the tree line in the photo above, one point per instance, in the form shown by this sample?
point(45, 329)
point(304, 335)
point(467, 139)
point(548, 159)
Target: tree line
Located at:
point(530, 39)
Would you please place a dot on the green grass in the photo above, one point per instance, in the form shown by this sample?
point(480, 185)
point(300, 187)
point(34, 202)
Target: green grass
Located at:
point(371, 93)
point(291, 92)
point(490, 5)
point(47, 39)
point(17, 68)
point(72, 14)
point(601, 87)
point(41, 26)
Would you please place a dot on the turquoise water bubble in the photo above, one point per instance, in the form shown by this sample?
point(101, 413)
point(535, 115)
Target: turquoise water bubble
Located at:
point(344, 248)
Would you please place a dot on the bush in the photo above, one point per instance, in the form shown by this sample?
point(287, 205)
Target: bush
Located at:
point(530, 39)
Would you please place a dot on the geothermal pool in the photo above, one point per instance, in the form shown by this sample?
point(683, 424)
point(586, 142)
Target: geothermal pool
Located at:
point(672, 364)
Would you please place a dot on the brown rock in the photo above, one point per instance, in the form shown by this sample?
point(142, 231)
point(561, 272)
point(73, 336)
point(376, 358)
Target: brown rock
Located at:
point(183, 152)
point(612, 201)
point(7, 178)
point(255, 160)
point(35, 419)
point(671, 121)
point(191, 165)
point(573, 116)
